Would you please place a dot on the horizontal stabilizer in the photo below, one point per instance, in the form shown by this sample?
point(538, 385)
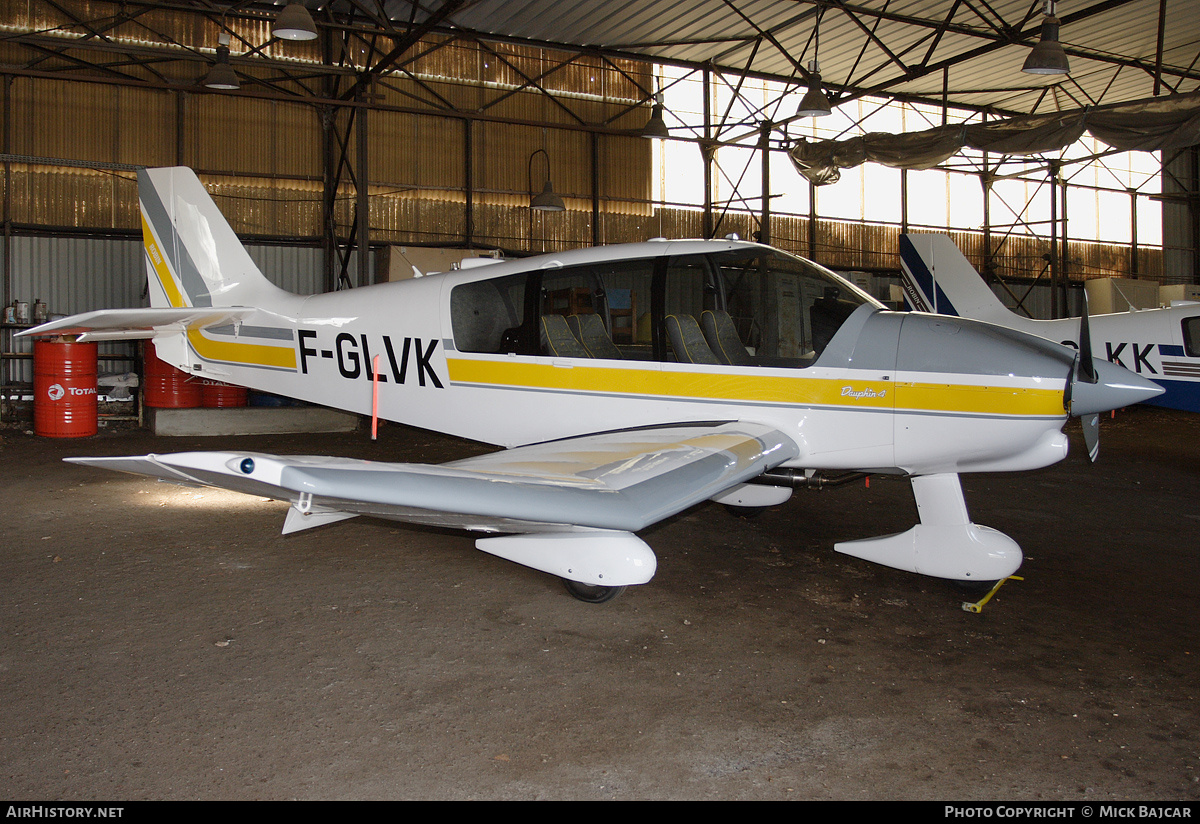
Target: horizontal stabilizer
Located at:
point(132, 324)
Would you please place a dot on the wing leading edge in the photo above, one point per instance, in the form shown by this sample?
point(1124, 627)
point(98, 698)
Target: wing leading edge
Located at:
point(573, 504)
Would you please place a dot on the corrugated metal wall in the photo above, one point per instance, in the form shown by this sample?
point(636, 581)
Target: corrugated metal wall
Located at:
point(264, 159)
point(1181, 179)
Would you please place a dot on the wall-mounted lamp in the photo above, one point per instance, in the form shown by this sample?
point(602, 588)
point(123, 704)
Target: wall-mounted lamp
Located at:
point(1048, 56)
point(294, 23)
point(547, 201)
point(221, 75)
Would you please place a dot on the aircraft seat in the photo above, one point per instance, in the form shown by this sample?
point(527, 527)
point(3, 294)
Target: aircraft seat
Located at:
point(688, 341)
point(590, 331)
point(723, 338)
point(557, 339)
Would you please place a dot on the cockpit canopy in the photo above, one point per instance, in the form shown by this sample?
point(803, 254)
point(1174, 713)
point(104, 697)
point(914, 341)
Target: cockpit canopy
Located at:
point(746, 306)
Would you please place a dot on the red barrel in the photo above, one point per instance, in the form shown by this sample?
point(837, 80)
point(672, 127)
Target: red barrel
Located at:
point(216, 394)
point(64, 389)
point(167, 387)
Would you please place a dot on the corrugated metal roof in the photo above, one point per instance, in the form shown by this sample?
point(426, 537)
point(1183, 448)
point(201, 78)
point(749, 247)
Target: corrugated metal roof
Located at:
point(882, 46)
point(970, 53)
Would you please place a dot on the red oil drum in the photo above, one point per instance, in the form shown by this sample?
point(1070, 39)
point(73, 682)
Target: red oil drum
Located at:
point(64, 389)
point(216, 394)
point(167, 387)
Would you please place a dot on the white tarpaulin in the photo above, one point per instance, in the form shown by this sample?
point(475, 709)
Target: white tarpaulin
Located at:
point(1171, 122)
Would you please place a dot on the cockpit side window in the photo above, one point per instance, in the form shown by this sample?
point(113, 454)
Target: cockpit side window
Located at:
point(594, 311)
point(1191, 336)
point(689, 289)
point(744, 307)
point(784, 309)
point(487, 315)
point(627, 288)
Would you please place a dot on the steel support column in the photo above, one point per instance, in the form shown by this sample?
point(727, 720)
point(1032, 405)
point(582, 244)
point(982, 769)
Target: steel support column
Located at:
point(1053, 180)
point(707, 151)
point(764, 228)
point(1133, 245)
point(362, 200)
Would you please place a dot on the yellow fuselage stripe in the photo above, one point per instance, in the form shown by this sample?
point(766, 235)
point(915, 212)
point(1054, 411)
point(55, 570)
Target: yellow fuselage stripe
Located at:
point(844, 392)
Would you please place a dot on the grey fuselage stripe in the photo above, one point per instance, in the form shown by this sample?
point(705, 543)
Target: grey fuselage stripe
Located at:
point(261, 332)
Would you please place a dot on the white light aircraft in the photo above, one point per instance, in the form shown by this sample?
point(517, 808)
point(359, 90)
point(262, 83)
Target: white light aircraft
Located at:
point(1160, 344)
point(628, 383)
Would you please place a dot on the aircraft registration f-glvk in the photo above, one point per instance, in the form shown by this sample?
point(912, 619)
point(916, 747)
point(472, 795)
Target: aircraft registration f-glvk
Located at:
point(1160, 344)
point(629, 383)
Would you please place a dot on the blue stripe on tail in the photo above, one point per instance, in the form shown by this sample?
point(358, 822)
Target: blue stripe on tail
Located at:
point(922, 278)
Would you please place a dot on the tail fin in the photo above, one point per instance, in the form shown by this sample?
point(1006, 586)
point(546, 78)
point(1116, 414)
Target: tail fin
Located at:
point(939, 278)
point(212, 312)
point(193, 257)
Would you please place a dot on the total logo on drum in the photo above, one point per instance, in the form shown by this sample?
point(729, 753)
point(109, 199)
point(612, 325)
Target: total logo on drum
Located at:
point(55, 391)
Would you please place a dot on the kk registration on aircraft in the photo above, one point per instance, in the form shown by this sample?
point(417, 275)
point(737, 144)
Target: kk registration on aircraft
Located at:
point(628, 383)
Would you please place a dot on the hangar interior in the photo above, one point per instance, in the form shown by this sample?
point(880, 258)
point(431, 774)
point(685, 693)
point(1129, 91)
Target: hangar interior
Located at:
point(172, 642)
point(384, 128)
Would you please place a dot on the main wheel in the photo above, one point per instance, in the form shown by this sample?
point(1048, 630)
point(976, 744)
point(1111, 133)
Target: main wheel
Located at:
point(745, 511)
point(591, 593)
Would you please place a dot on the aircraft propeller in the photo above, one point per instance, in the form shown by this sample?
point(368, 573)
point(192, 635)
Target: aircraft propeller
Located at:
point(1096, 386)
point(1087, 374)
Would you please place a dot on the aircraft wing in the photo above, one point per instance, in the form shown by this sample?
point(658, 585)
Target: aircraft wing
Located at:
point(622, 481)
point(114, 324)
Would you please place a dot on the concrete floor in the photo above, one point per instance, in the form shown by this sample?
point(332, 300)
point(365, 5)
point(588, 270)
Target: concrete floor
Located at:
point(168, 643)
